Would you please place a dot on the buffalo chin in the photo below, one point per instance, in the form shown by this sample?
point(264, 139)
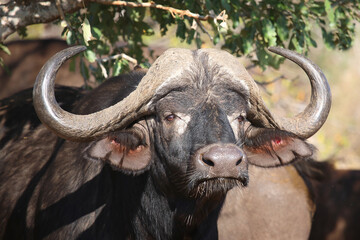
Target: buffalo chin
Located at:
point(211, 187)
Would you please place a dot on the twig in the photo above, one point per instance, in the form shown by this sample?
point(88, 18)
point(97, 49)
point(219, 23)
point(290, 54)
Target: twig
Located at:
point(202, 27)
point(270, 82)
point(61, 12)
point(263, 84)
point(15, 16)
point(174, 12)
point(121, 55)
point(106, 59)
point(62, 17)
point(103, 69)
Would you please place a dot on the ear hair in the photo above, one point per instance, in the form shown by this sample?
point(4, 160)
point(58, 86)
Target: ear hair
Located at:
point(128, 139)
point(273, 147)
point(265, 139)
point(127, 150)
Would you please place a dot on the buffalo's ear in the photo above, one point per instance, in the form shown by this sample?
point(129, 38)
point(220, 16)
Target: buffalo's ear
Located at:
point(127, 151)
point(271, 147)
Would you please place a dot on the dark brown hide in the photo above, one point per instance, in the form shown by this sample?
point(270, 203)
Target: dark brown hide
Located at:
point(337, 213)
point(41, 175)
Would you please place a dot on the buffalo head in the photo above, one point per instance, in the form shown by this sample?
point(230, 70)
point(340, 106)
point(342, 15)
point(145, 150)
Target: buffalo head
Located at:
point(195, 121)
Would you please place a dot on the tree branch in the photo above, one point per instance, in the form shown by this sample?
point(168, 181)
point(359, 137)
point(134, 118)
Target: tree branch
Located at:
point(17, 14)
point(174, 12)
point(120, 55)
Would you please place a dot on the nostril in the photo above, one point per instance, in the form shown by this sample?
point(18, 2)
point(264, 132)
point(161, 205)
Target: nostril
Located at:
point(239, 161)
point(221, 157)
point(208, 162)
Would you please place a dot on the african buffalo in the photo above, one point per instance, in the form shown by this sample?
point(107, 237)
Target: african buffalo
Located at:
point(153, 155)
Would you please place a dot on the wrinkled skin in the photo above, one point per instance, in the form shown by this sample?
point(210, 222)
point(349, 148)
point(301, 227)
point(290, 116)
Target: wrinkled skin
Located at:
point(157, 179)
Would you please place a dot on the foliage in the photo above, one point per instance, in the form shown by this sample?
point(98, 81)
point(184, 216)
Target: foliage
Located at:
point(3, 48)
point(251, 27)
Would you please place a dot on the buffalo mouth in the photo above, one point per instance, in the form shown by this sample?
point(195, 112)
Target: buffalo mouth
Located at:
point(208, 187)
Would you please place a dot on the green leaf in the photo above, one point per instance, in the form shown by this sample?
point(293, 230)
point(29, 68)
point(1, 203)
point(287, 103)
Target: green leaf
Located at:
point(216, 39)
point(117, 68)
point(226, 5)
point(263, 57)
point(236, 23)
point(269, 32)
point(317, 9)
point(181, 28)
point(70, 38)
point(22, 31)
point(255, 16)
point(124, 65)
point(96, 32)
point(328, 38)
point(209, 4)
point(99, 47)
point(296, 45)
point(304, 10)
point(282, 29)
point(145, 65)
point(5, 49)
point(3, 65)
point(86, 29)
point(190, 36)
point(90, 55)
point(330, 13)
point(84, 70)
point(312, 42)
point(198, 41)
point(247, 45)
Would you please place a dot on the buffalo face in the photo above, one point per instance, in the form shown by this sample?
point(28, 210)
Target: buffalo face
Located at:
point(198, 140)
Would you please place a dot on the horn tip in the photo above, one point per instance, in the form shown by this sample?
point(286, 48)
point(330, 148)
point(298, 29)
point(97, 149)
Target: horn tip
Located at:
point(275, 49)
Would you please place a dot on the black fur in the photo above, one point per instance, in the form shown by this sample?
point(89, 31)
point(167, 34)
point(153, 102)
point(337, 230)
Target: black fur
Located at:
point(17, 111)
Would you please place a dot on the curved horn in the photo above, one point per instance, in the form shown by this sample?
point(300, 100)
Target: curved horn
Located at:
point(67, 125)
point(308, 122)
point(86, 127)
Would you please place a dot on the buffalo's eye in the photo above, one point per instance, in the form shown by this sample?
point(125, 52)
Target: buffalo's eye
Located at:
point(170, 117)
point(240, 118)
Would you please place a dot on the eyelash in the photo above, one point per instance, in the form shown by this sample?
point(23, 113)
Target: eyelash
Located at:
point(170, 117)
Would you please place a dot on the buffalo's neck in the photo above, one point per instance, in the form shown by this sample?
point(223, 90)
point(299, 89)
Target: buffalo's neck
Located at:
point(172, 217)
point(197, 218)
